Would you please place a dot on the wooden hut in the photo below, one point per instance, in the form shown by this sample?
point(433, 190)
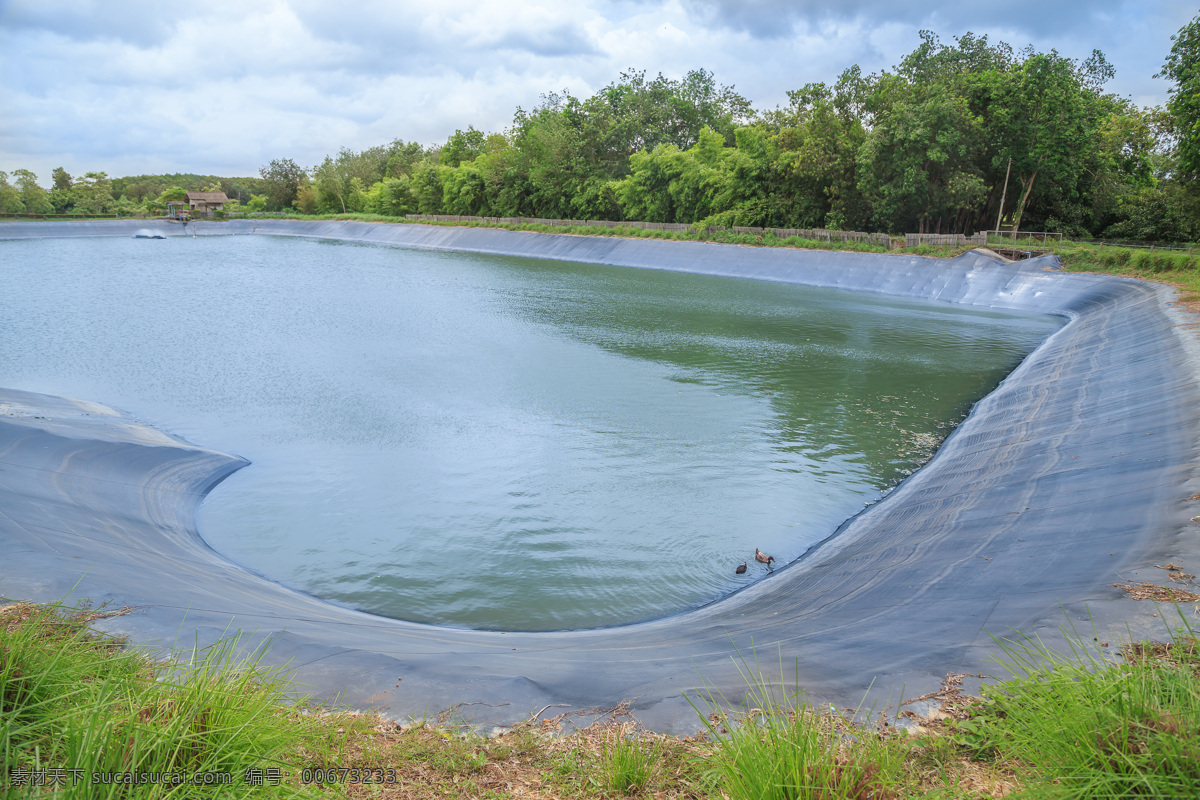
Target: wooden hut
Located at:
point(203, 204)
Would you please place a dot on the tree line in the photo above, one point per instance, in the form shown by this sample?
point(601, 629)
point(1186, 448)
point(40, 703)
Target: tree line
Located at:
point(97, 193)
point(957, 137)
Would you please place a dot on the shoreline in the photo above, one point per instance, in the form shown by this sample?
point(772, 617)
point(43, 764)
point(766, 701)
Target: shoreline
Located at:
point(1088, 448)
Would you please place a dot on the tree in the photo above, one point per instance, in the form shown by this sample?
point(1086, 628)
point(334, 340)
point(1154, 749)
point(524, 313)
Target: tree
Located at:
point(306, 196)
point(1163, 214)
point(93, 193)
point(391, 197)
point(462, 146)
point(673, 185)
point(919, 165)
point(338, 187)
point(633, 114)
point(35, 199)
point(1051, 120)
point(10, 198)
point(62, 180)
point(427, 187)
point(60, 195)
point(281, 179)
point(403, 158)
point(174, 194)
point(1183, 67)
point(805, 159)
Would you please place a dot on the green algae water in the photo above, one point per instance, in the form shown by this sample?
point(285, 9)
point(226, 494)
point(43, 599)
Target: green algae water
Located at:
point(499, 442)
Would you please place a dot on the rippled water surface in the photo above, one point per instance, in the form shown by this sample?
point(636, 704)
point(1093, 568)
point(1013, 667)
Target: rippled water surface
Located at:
point(501, 442)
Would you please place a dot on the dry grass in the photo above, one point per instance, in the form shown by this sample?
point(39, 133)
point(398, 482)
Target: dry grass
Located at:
point(1159, 594)
point(534, 759)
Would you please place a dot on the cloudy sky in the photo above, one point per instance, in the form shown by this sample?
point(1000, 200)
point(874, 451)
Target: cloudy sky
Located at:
point(224, 86)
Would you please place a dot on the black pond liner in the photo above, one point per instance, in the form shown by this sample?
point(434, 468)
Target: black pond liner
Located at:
point(1072, 475)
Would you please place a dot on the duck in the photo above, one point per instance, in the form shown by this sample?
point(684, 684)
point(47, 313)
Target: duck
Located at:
point(741, 570)
point(762, 557)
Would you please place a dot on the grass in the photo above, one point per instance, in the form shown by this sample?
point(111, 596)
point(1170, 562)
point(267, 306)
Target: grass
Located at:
point(1091, 730)
point(1173, 267)
point(76, 705)
point(1086, 723)
point(785, 749)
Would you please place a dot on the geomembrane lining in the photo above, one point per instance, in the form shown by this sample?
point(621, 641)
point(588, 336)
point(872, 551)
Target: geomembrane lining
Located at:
point(1074, 474)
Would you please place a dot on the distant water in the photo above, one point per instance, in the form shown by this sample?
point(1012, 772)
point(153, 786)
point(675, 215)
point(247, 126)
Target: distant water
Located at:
point(502, 442)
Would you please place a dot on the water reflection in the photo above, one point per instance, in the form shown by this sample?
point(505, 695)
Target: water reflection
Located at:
point(500, 442)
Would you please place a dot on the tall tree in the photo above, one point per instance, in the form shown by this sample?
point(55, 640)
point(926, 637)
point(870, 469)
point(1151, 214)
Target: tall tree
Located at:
point(462, 146)
point(60, 192)
point(281, 179)
point(1183, 68)
point(93, 193)
point(35, 199)
point(62, 180)
point(1051, 119)
point(403, 158)
point(10, 198)
point(339, 183)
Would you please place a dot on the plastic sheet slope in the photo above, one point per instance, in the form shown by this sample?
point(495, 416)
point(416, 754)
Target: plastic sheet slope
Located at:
point(1072, 474)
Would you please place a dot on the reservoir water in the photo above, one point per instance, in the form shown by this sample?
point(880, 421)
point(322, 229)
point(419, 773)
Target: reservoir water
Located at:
point(499, 442)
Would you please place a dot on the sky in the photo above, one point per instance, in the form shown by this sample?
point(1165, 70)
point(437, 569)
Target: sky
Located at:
point(223, 87)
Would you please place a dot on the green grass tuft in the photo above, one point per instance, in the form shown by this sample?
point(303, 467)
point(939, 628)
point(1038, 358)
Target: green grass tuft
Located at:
point(628, 764)
point(1092, 729)
point(77, 705)
point(783, 748)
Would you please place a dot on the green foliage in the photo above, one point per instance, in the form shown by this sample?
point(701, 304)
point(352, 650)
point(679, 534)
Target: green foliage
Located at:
point(925, 147)
point(628, 764)
point(402, 158)
point(1183, 68)
point(73, 701)
point(34, 198)
point(391, 197)
point(174, 194)
point(282, 181)
point(341, 183)
point(146, 190)
point(785, 749)
point(464, 191)
point(306, 197)
point(427, 188)
point(92, 194)
point(1092, 730)
point(1164, 214)
point(62, 180)
point(462, 146)
point(10, 198)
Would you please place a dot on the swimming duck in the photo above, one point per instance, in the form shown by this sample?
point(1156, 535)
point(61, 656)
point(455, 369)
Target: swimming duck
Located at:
point(762, 557)
point(742, 569)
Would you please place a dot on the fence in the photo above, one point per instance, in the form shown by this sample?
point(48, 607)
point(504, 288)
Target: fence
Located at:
point(817, 234)
point(1027, 238)
point(1142, 245)
point(951, 239)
